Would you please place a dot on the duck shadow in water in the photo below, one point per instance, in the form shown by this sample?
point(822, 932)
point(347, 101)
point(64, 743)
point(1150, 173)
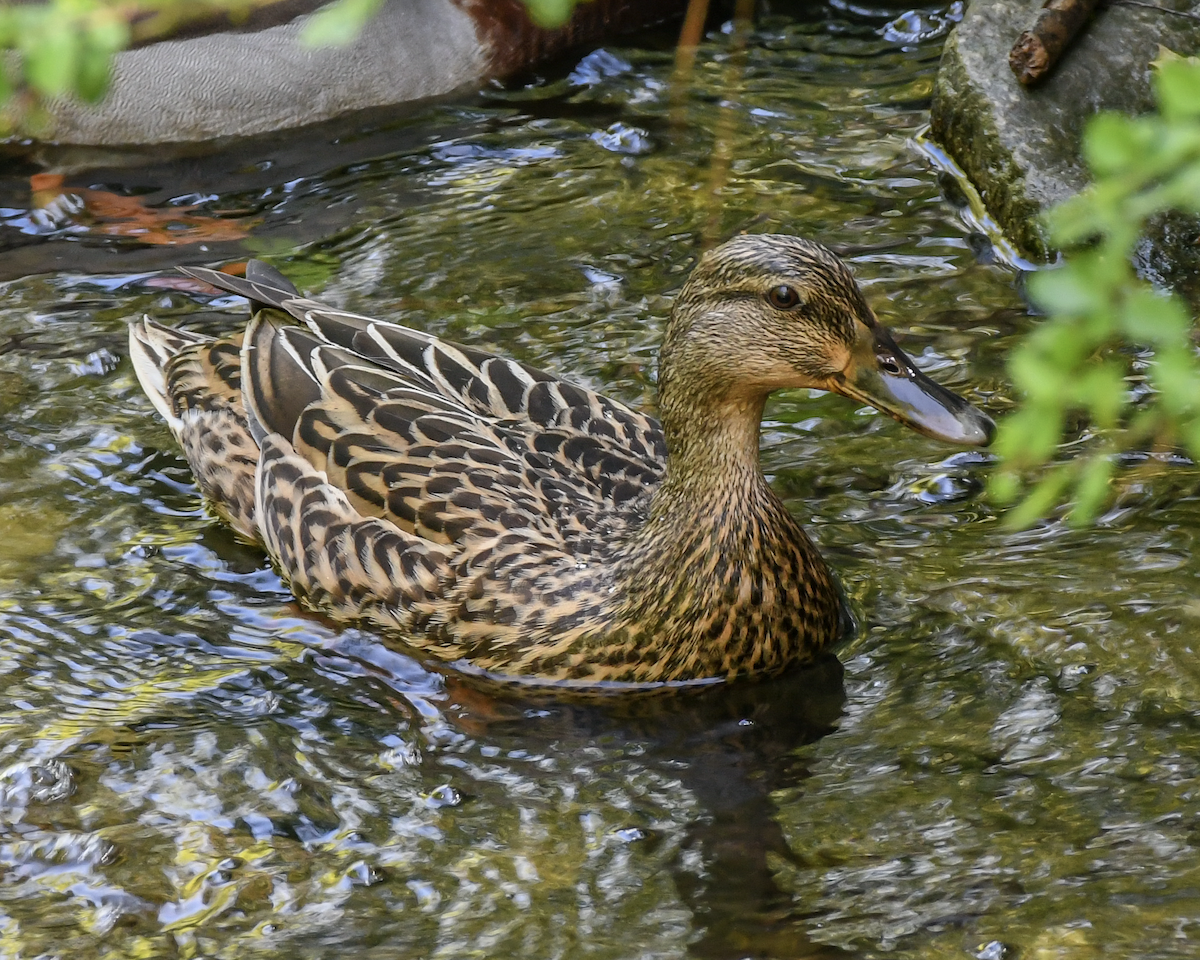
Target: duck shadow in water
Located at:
point(731, 746)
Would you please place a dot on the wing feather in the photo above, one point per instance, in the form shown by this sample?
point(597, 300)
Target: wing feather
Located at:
point(401, 478)
point(445, 443)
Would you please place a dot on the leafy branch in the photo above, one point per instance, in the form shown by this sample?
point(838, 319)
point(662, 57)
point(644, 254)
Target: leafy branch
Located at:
point(1113, 350)
point(58, 48)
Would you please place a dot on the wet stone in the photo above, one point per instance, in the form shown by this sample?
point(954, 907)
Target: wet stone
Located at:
point(1020, 147)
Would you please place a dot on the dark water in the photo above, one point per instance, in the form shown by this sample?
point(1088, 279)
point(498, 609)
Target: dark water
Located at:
point(192, 767)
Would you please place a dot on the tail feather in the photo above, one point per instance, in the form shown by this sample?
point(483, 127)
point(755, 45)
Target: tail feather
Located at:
point(151, 347)
point(263, 285)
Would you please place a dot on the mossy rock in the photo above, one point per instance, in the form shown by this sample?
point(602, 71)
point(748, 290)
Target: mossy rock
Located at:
point(1020, 147)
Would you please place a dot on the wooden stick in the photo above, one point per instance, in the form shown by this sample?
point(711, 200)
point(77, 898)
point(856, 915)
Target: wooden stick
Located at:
point(726, 126)
point(1037, 50)
point(690, 36)
point(685, 59)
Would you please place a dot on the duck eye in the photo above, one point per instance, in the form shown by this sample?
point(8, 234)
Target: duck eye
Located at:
point(783, 297)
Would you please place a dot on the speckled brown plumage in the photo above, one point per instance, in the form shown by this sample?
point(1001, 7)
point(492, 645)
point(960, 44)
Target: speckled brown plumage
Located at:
point(500, 517)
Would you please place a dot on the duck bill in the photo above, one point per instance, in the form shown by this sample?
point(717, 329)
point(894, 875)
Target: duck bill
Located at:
point(882, 375)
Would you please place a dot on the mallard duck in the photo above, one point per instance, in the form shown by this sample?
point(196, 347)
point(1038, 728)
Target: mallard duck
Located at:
point(504, 519)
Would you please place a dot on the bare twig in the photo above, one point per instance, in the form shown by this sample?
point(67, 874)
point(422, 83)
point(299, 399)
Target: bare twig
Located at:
point(1155, 6)
point(1037, 50)
point(690, 35)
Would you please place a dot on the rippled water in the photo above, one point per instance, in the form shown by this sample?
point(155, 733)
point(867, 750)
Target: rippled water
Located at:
point(191, 766)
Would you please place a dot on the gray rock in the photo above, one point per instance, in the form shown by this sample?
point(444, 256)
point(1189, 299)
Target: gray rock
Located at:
point(1020, 147)
point(214, 79)
point(241, 83)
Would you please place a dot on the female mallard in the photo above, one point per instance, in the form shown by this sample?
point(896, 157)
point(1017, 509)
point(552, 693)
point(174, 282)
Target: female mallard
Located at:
point(506, 519)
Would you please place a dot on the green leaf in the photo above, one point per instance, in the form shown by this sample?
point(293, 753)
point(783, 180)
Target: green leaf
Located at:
point(1177, 84)
point(91, 80)
point(1067, 291)
point(1193, 439)
point(52, 59)
point(109, 32)
point(1102, 390)
point(1091, 492)
point(1176, 374)
point(1079, 218)
point(1044, 495)
point(1147, 317)
point(1166, 55)
point(6, 85)
point(549, 13)
point(1110, 145)
point(106, 35)
point(1003, 487)
point(1030, 436)
point(339, 23)
point(1183, 190)
point(1037, 375)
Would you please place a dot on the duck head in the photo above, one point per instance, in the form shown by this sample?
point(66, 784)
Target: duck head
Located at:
point(761, 313)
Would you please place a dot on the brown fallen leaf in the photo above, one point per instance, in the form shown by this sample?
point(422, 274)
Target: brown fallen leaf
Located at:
point(109, 214)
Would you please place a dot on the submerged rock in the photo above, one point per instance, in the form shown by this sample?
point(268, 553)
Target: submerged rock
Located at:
point(1020, 146)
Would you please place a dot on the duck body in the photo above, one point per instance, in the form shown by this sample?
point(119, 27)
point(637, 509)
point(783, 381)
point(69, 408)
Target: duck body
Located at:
point(501, 518)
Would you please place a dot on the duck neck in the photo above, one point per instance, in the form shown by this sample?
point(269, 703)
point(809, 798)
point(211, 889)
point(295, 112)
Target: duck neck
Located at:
point(721, 579)
point(712, 452)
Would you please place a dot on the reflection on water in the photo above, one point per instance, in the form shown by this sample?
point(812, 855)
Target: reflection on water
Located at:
point(192, 766)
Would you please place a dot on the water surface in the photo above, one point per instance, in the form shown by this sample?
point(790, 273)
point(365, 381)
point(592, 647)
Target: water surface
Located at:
point(191, 766)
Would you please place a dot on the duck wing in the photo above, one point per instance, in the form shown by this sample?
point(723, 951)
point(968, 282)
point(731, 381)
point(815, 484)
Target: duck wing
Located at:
point(195, 383)
point(494, 387)
point(437, 488)
point(403, 451)
point(381, 498)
